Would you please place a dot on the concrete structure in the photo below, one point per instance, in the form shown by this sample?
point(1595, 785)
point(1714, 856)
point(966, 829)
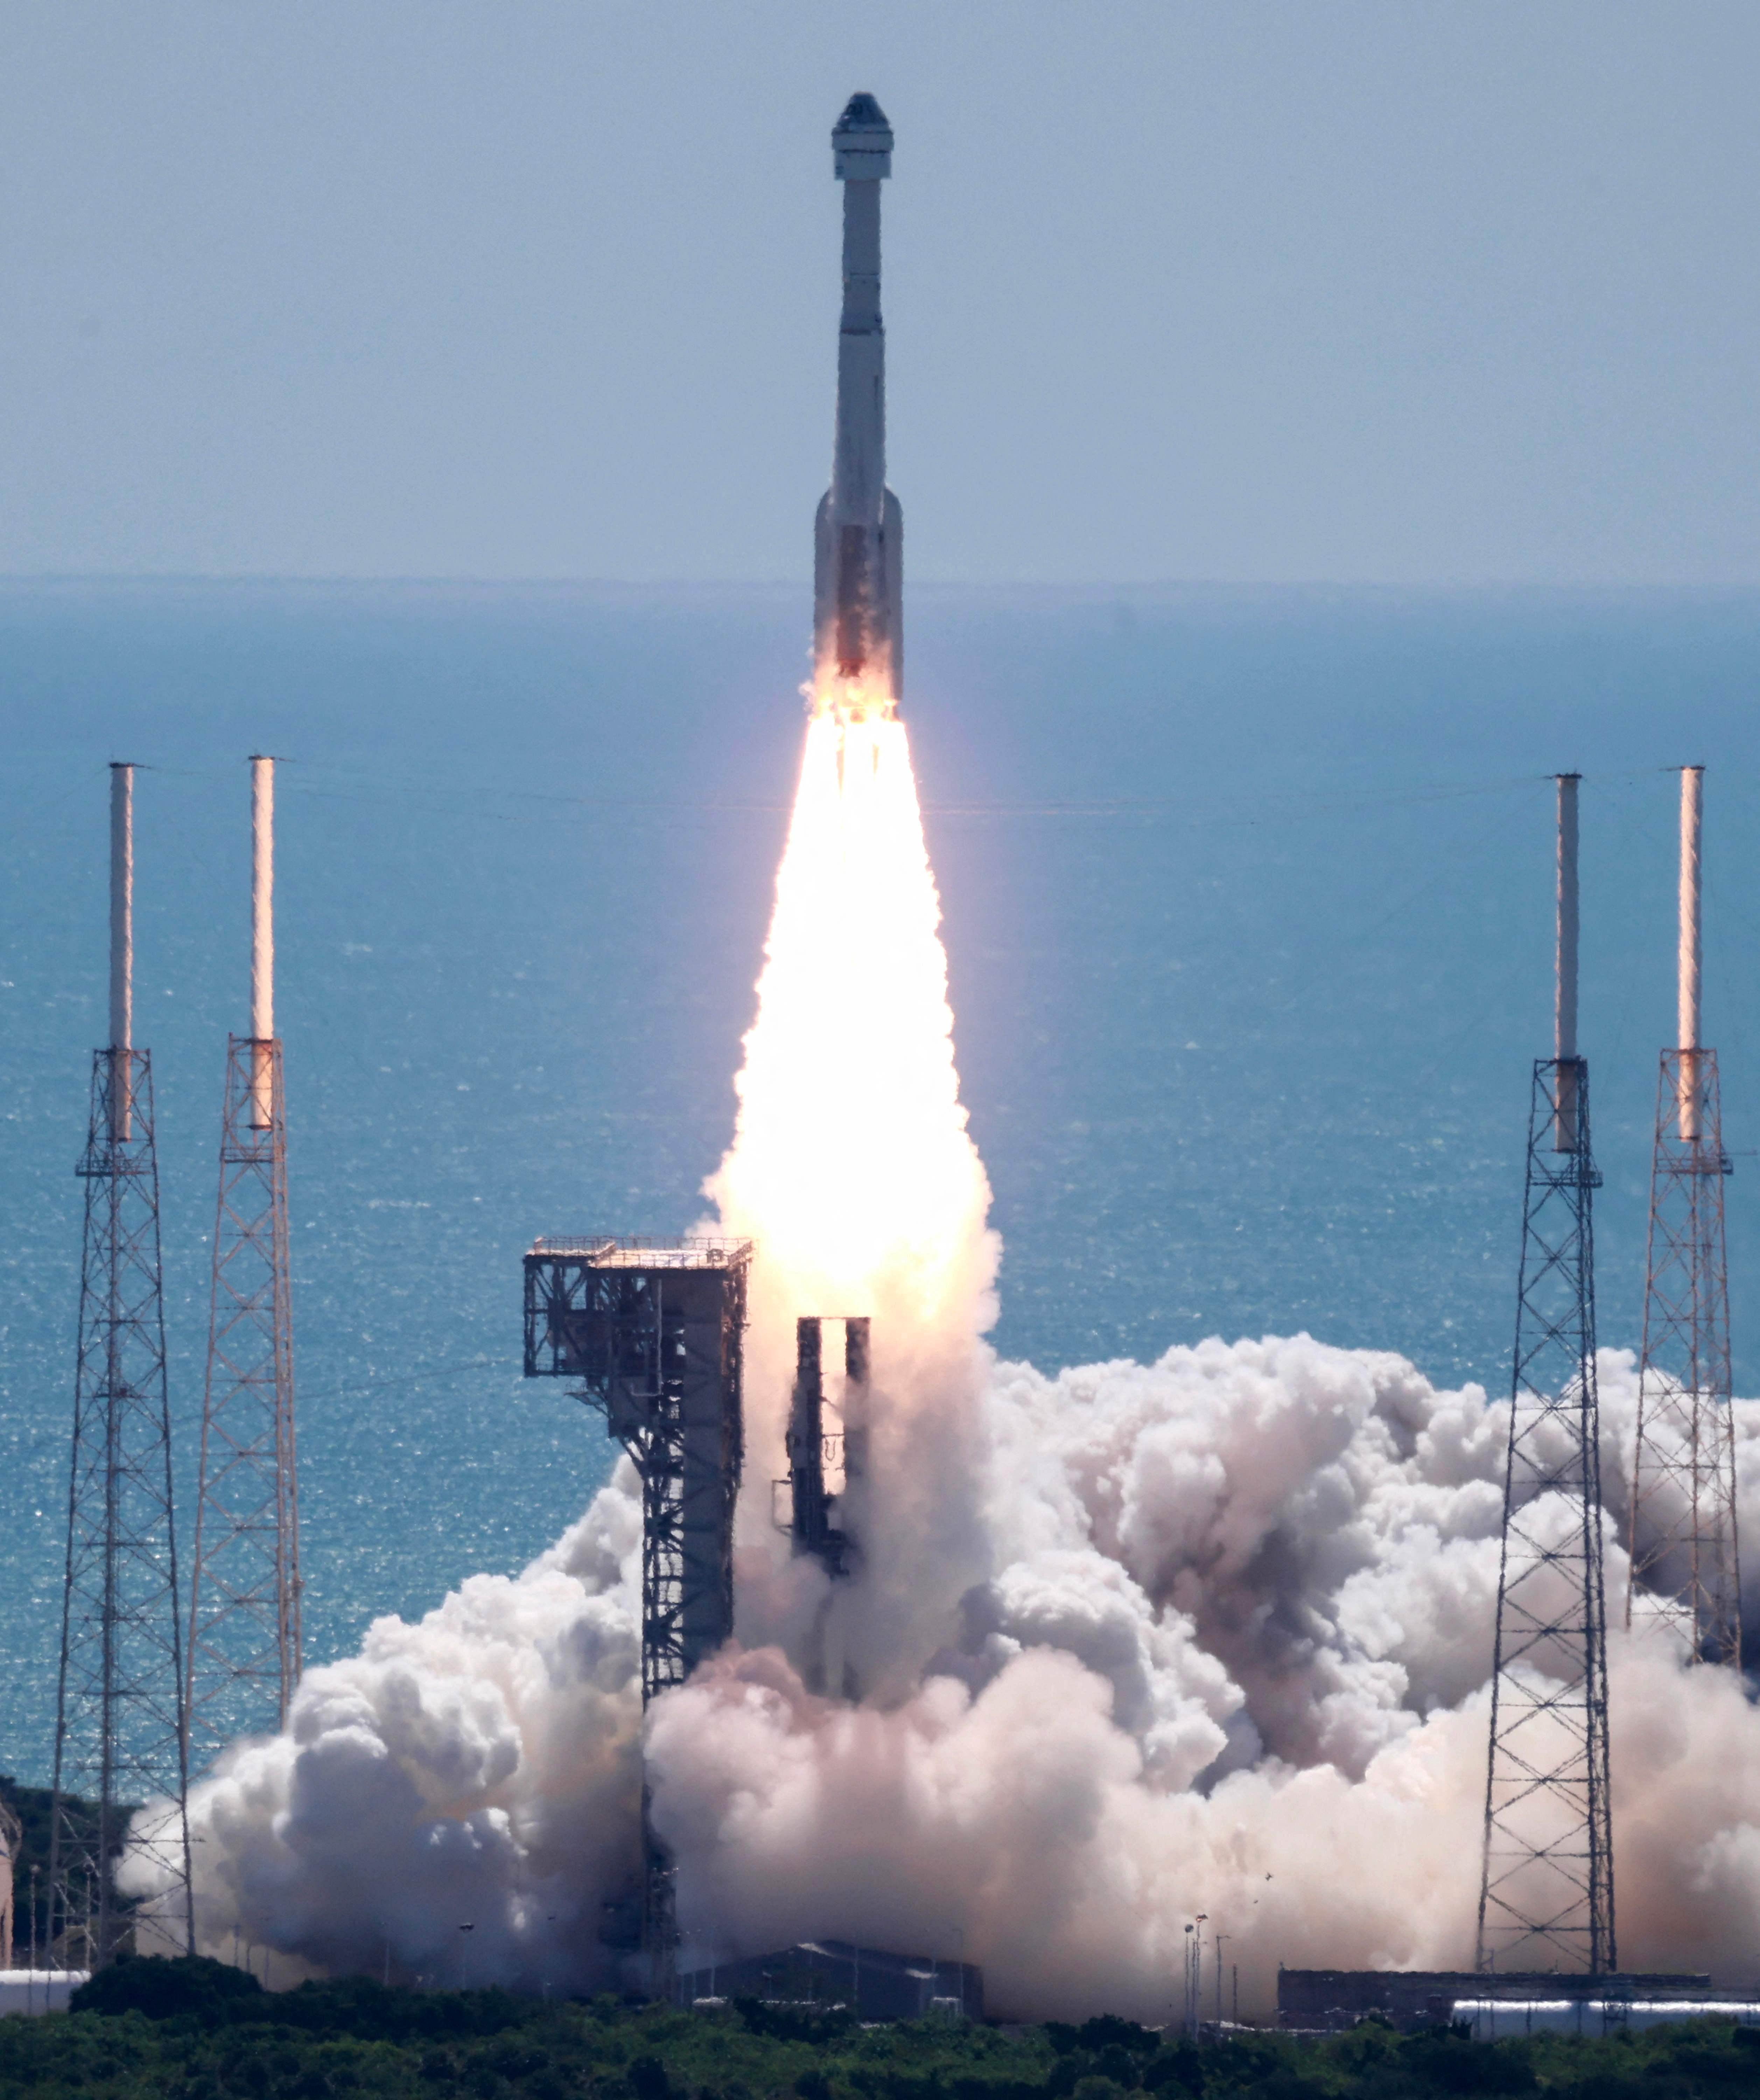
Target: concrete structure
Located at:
point(859, 536)
point(830, 1974)
point(1545, 1892)
point(1324, 2001)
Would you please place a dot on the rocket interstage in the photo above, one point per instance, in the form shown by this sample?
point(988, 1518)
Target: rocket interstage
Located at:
point(859, 535)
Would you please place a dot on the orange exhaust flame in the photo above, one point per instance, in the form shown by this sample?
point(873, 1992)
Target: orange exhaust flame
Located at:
point(850, 702)
point(851, 1166)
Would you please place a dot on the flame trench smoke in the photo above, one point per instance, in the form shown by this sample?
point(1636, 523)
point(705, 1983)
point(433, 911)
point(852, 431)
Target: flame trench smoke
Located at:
point(1134, 1642)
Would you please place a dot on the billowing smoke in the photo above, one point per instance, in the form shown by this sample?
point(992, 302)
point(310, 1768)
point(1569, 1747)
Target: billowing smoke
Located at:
point(1133, 1642)
point(1232, 1659)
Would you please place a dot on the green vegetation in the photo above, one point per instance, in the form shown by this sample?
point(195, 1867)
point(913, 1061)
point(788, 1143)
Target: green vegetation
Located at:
point(155, 2030)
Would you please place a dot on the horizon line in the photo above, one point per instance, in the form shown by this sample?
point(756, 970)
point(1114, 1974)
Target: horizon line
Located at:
point(932, 587)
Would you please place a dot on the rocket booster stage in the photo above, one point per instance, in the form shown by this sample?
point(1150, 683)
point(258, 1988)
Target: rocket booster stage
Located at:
point(858, 537)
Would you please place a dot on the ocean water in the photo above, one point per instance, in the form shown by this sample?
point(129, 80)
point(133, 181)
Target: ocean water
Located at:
point(1248, 911)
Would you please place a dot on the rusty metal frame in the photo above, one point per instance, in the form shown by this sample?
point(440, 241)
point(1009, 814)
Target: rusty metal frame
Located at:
point(244, 1630)
point(1686, 1571)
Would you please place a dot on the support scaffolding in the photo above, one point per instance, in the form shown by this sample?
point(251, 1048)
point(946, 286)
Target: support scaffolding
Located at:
point(11, 1841)
point(120, 1733)
point(822, 1460)
point(245, 1584)
point(1547, 1884)
point(654, 1331)
point(1685, 1571)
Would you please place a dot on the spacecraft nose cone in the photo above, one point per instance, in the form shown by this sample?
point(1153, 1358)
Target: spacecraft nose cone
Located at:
point(861, 112)
point(862, 141)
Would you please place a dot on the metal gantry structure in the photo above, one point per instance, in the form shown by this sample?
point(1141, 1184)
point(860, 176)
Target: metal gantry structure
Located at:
point(653, 1330)
point(245, 1585)
point(1685, 1569)
point(1547, 1882)
point(826, 1445)
point(120, 1766)
point(1194, 1974)
point(822, 1461)
point(11, 1841)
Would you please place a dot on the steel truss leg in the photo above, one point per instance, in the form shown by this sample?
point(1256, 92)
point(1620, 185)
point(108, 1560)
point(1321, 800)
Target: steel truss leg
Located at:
point(1546, 1886)
point(120, 1736)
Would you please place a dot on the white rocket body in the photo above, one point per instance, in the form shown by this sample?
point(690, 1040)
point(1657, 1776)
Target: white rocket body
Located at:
point(858, 537)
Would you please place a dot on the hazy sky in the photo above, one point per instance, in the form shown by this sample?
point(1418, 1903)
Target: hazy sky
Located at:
point(1443, 290)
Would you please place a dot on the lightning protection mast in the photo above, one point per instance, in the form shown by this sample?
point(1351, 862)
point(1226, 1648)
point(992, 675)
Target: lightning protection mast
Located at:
point(1545, 1899)
point(121, 1771)
point(244, 1589)
point(1685, 1574)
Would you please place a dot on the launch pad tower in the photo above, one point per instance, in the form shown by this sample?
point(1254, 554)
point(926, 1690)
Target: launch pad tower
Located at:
point(1684, 1570)
point(653, 1332)
point(1545, 1899)
point(245, 1584)
point(120, 1739)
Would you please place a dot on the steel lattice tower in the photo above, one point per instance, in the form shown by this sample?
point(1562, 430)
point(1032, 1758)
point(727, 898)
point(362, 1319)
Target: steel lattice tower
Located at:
point(244, 1586)
point(120, 1737)
point(1546, 1896)
point(654, 1331)
point(1685, 1570)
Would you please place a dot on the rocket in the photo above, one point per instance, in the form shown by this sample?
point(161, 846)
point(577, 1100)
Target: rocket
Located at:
point(859, 536)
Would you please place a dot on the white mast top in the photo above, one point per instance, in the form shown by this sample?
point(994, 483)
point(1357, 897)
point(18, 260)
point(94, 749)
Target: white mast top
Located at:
point(121, 951)
point(1565, 1014)
point(121, 907)
point(262, 899)
point(1692, 810)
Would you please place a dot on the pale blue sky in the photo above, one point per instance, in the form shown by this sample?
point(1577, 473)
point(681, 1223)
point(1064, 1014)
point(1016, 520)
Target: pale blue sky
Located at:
point(1340, 290)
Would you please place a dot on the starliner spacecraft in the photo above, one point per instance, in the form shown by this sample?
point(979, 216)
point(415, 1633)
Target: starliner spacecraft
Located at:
point(859, 538)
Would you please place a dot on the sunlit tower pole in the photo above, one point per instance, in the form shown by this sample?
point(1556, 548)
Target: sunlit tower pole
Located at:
point(1545, 1898)
point(245, 1589)
point(120, 1737)
point(1685, 1572)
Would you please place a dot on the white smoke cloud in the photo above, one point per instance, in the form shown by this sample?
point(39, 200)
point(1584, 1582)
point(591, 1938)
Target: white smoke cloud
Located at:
point(1232, 1659)
point(480, 1767)
point(1229, 1657)
point(1134, 1642)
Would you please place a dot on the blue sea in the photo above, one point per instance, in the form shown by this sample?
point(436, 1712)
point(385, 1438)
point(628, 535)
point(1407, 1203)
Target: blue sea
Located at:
point(1248, 912)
